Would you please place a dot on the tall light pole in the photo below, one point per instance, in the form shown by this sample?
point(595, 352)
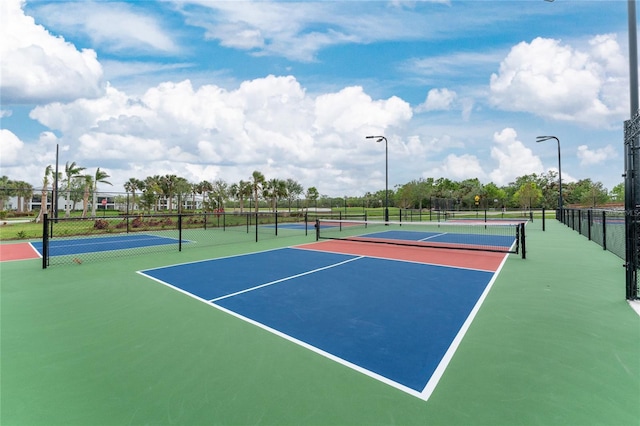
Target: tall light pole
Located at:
point(546, 138)
point(386, 174)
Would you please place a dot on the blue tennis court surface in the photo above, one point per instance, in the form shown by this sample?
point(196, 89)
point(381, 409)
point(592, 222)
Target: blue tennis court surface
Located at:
point(393, 320)
point(504, 241)
point(62, 247)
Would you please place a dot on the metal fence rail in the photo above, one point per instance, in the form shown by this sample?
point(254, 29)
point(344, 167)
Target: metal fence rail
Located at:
point(77, 240)
point(606, 228)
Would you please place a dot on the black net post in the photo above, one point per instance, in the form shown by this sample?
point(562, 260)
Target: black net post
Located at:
point(179, 232)
point(544, 215)
point(604, 229)
point(523, 241)
point(45, 241)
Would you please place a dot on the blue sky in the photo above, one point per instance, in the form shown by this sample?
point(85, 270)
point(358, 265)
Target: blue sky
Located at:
point(215, 90)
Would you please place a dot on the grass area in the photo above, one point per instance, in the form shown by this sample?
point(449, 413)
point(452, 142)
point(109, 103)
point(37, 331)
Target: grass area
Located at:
point(25, 228)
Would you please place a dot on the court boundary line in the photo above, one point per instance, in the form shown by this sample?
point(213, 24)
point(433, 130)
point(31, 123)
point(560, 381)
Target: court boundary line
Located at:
point(438, 372)
point(457, 340)
point(399, 260)
point(291, 277)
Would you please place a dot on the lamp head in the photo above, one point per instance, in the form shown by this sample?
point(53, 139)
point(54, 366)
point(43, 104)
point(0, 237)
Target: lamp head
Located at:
point(379, 138)
point(544, 138)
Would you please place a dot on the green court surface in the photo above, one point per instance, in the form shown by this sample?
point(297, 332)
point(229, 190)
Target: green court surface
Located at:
point(554, 343)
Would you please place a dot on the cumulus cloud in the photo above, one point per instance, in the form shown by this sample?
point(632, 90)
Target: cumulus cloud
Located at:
point(589, 157)
point(39, 67)
point(438, 99)
point(269, 123)
point(459, 167)
point(512, 157)
point(11, 148)
point(557, 81)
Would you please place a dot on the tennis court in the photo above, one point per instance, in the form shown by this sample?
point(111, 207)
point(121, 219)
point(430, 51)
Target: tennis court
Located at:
point(74, 246)
point(298, 331)
point(397, 328)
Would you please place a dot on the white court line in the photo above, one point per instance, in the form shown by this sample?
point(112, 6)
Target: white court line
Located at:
point(285, 279)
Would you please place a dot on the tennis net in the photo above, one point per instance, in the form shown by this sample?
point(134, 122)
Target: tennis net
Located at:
point(486, 236)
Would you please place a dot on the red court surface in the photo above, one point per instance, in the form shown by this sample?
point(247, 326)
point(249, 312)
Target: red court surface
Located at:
point(485, 261)
point(18, 251)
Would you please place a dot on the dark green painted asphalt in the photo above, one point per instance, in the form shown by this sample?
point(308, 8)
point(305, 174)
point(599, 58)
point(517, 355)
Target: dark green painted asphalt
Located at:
point(555, 343)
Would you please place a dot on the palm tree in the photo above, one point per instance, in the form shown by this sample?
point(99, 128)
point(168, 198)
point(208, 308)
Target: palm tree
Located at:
point(152, 191)
point(294, 189)
point(182, 187)
point(24, 191)
point(71, 171)
point(5, 190)
point(48, 172)
point(204, 188)
point(168, 186)
point(100, 177)
point(275, 189)
point(312, 195)
point(132, 185)
point(221, 192)
point(88, 183)
point(256, 185)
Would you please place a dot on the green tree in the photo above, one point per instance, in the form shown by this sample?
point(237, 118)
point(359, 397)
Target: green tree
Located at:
point(220, 190)
point(294, 190)
point(257, 182)
point(133, 185)
point(23, 191)
point(528, 195)
point(274, 189)
point(71, 172)
point(48, 174)
point(617, 193)
point(88, 183)
point(311, 195)
point(100, 177)
point(168, 189)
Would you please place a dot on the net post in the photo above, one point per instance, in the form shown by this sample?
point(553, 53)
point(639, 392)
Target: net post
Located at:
point(256, 227)
point(306, 224)
point(317, 229)
point(180, 232)
point(523, 244)
point(544, 215)
point(45, 240)
point(276, 219)
point(604, 230)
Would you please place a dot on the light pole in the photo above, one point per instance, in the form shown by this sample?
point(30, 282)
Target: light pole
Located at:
point(386, 174)
point(546, 138)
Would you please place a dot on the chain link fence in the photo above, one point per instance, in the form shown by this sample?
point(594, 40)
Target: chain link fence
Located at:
point(608, 228)
point(78, 240)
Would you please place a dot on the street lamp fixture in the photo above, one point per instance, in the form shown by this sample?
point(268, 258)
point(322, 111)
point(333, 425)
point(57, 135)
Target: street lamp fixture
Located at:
point(386, 174)
point(546, 138)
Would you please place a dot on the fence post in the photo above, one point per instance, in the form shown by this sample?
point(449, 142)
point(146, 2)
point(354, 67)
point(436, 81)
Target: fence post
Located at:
point(604, 229)
point(179, 232)
point(45, 240)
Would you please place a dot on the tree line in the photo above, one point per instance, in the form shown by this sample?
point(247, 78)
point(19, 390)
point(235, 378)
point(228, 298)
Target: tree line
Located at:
point(529, 191)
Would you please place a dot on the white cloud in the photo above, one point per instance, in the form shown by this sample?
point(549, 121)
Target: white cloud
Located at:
point(116, 27)
point(513, 158)
point(270, 124)
point(11, 147)
point(599, 155)
point(38, 67)
point(557, 81)
point(459, 167)
point(438, 99)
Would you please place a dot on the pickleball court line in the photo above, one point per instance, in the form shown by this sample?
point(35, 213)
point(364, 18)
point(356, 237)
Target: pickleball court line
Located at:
point(455, 343)
point(285, 279)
